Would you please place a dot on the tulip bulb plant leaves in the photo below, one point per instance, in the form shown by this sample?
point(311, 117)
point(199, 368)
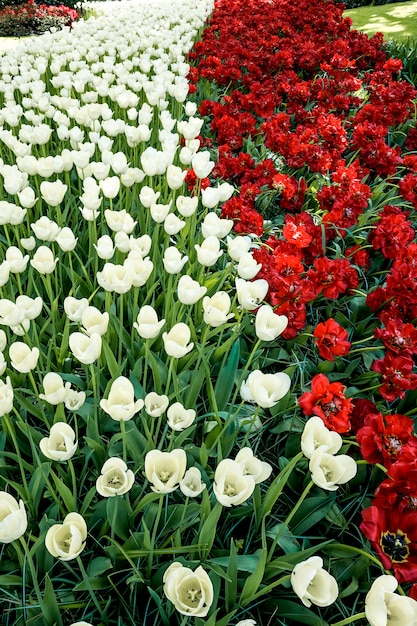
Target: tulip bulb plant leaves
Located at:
point(207, 320)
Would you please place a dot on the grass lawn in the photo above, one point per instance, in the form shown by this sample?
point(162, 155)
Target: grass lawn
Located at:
point(397, 21)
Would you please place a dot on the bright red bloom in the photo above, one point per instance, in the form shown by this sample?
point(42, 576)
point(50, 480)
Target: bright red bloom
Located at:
point(333, 277)
point(393, 232)
point(397, 376)
point(393, 535)
point(398, 337)
point(331, 339)
point(327, 400)
point(396, 494)
point(382, 438)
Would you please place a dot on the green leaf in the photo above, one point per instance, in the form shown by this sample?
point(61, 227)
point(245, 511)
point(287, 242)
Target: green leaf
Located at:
point(114, 368)
point(252, 583)
point(50, 609)
point(118, 515)
point(66, 494)
point(286, 541)
point(231, 585)
point(98, 566)
point(299, 614)
point(312, 511)
point(208, 530)
point(226, 379)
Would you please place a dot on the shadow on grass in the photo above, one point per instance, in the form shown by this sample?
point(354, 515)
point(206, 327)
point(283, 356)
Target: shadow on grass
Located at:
point(397, 21)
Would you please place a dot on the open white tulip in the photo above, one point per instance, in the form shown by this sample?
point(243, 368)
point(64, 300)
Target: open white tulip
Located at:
point(252, 466)
point(269, 325)
point(173, 260)
point(164, 470)
point(383, 607)
point(13, 518)
point(201, 164)
point(186, 206)
point(250, 294)
point(155, 404)
point(115, 478)
point(66, 541)
point(231, 485)
point(94, 321)
point(216, 309)
point(329, 472)
point(313, 584)
point(192, 485)
point(191, 592)
point(209, 251)
point(43, 260)
point(54, 389)
point(179, 417)
point(265, 389)
point(213, 225)
point(120, 403)
point(61, 444)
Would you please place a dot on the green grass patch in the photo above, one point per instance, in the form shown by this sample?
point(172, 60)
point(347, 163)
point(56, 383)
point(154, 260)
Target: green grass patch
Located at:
point(397, 21)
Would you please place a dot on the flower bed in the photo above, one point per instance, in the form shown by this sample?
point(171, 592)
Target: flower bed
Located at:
point(32, 18)
point(208, 320)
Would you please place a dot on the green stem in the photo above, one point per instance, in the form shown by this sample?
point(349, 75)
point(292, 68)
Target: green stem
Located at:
point(154, 532)
point(349, 620)
point(123, 432)
point(33, 572)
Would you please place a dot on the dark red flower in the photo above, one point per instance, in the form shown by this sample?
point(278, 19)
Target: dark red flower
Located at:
point(331, 339)
point(393, 535)
point(398, 337)
point(327, 400)
point(397, 376)
point(382, 438)
point(396, 494)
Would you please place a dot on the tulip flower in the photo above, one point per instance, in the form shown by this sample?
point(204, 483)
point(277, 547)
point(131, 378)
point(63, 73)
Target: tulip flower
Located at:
point(13, 518)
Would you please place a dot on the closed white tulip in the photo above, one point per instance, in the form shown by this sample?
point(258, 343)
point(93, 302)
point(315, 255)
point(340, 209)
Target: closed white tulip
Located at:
point(54, 389)
point(94, 321)
point(313, 584)
point(148, 196)
point(159, 212)
point(231, 485)
point(22, 358)
point(237, 246)
point(119, 221)
point(147, 324)
point(86, 349)
point(191, 592)
point(175, 176)
point(43, 260)
point(383, 606)
point(45, 229)
point(105, 247)
point(179, 417)
point(75, 307)
point(115, 478)
point(66, 239)
point(247, 267)
point(120, 403)
point(53, 192)
point(173, 224)
point(269, 325)
point(192, 485)
point(209, 251)
point(201, 164)
point(13, 518)
point(17, 262)
point(110, 186)
point(164, 470)
point(61, 443)
point(6, 396)
point(189, 291)
point(316, 436)
point(177, 340)
point(210, 198)
point(66, 541)
point(329, 472)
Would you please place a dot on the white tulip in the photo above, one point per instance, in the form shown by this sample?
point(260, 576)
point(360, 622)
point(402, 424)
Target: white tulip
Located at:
point(210, 198)
point(179, 417)
point(226, 191)
point(189, 290)
point(110, 186)
point(312, 584)
point(191, 592)
point(147, 324)
point(13, 518)
point(155, 404)
point(140, 244)
point(27, 198)
point(265, 389)
point(105, 247)
point(269, 325)
point(115, 478)
point(216, 309)
point(186, 206)
point(94, 321)
point(201, 164)
point(148, 196)
point(383, 607)
point(251, 294)
point(172, 224)
point(159, 212)
point(10, 313)
point(209, 251)
point(192, 485)
point(43, 260)
point(232, 486)
point(54, 389)
point(28, 243)
point(120, 403)
point(117, 278)
point(139, 268)
point(238, 246)
point(213, 225)
point(22, 358)
point(316, 436)
point(119, 221)
point(53, 192)
point(329, 472)
point(6, 396)
point(175, 176)
point(247, 267)
point(73, 399)
point(86, 349)
point(164, 470)
point(61, 444)
point(252, 466)
point(66, 541)
point(74, 308)
point(45, 229)
point(176, 341)
point(17, 262)
point(66, 239)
